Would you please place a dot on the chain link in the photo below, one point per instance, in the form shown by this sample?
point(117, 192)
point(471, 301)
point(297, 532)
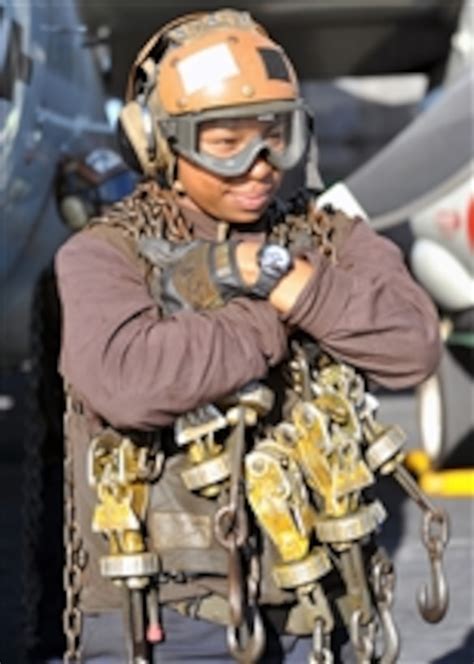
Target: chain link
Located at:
point(362, 637)
point(35, 432)
point(75, 559)
point(154, 212)
point(321, 654)
point(313, 228)
point(383, 584)
point(149, 211)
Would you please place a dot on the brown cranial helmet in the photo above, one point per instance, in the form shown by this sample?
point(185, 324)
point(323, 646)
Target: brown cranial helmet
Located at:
point(207, 67)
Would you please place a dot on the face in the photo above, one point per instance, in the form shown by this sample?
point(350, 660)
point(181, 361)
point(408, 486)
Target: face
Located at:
point(244, 198)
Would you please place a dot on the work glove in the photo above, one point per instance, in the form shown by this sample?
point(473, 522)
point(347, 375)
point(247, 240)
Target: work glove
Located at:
point(195, 275)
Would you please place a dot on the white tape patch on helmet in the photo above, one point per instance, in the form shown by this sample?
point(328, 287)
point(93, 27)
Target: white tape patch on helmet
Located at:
point(208, 68)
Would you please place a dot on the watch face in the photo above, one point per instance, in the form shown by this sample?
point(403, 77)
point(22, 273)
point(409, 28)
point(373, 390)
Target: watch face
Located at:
point(275, 260)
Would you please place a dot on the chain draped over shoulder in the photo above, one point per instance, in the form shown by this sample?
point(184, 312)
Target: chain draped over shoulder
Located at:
point(152, 211)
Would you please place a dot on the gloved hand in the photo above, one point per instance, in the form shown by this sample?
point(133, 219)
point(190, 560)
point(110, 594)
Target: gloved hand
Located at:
point(196, 275)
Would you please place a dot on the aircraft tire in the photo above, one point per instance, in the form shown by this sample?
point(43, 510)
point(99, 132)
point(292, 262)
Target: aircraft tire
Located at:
point(445, 409)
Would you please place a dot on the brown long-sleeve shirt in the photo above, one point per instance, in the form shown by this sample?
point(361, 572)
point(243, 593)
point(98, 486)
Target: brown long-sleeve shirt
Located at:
point(137, 371)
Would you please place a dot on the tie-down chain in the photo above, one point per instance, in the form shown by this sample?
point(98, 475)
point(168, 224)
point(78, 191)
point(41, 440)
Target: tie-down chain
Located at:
point(305, 483)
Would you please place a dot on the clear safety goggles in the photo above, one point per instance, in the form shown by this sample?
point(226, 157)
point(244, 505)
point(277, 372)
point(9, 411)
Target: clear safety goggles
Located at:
point(227, 141)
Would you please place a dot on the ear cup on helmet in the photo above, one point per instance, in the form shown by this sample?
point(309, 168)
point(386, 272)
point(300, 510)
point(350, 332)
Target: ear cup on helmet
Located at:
point(142, 146)
point(140, 142)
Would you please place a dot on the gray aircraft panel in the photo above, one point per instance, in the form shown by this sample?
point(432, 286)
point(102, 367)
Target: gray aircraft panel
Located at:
point(432, 150)
point(55, 110)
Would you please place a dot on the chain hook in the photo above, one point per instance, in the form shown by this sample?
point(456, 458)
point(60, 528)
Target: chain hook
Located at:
point(362, 637)
point(256, 636)
point(384, 584)
point(433, 600)
point(247, 649)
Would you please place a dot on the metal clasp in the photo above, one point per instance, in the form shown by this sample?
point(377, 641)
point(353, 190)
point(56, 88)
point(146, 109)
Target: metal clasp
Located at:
point(383, 582)
point(433, 600)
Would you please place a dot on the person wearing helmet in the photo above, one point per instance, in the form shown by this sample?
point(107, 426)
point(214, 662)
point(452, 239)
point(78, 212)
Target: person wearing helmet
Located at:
point(181, 308)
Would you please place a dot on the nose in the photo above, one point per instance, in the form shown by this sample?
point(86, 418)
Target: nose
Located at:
point(261, 168)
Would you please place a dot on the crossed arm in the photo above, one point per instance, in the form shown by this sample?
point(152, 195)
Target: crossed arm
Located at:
point(141, 372)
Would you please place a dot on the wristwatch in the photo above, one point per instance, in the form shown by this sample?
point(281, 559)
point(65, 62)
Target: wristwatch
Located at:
point(274, 262)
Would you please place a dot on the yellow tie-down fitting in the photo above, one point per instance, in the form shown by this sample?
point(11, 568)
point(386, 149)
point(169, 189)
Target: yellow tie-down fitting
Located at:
point(328, 448)
point(208, 461)
point(279, 498)
point(117, 469)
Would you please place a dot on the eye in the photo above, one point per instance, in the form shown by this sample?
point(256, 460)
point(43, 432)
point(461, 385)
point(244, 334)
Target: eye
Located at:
point(219, 142)
point(224, 140)
point(276, 135)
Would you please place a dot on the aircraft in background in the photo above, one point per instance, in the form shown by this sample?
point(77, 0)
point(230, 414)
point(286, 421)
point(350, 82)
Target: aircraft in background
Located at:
point(51, 106)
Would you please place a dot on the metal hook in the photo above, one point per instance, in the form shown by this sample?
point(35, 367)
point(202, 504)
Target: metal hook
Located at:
point(249, 652)
point(362, 637)
point(433, 600)
point(384, 584)
point(391, 637)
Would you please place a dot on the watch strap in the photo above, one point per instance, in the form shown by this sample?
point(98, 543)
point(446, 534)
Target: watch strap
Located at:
point(268, 279)
point(265, 284)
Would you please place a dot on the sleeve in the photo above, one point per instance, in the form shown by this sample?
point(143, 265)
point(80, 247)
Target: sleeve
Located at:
point(136, 370)
point(367, 310)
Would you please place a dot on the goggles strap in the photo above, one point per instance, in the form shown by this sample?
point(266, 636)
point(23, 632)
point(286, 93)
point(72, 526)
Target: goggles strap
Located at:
point(313, 176)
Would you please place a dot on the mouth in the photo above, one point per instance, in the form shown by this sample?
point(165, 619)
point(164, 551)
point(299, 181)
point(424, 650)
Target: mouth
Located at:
point(252, 201)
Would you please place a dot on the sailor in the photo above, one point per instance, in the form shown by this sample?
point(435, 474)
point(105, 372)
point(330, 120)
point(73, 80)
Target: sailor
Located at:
point(181, 306)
